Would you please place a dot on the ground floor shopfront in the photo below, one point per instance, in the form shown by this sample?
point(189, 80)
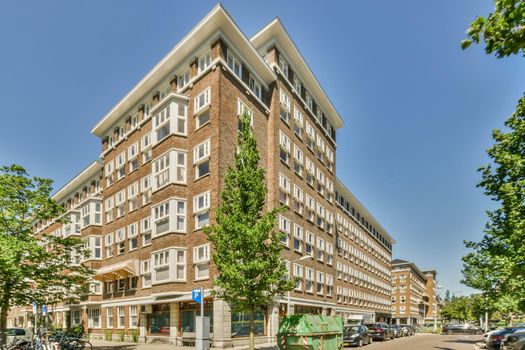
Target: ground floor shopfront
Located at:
point(172, 319)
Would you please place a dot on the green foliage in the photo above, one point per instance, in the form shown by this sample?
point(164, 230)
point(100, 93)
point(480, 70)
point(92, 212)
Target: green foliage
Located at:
point(121, 335)
point(108, 335)
point(33, 268)
point(246, 247)
point(135, 335)
point(503, 31)
point(496, 265)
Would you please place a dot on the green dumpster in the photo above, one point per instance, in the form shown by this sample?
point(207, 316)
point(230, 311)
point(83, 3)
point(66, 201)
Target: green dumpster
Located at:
point(310, 332)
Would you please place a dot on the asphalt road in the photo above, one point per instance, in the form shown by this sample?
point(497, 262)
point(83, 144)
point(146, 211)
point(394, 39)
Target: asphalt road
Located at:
point(427, 342)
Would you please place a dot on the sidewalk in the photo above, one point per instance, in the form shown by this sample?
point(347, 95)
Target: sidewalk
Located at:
point(108, 345)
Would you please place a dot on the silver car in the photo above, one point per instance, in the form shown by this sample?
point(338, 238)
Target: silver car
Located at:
point(16, 335)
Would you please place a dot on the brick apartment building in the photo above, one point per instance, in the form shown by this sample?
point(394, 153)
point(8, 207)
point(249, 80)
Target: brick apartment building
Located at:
point(414, 294)
point(165, 150)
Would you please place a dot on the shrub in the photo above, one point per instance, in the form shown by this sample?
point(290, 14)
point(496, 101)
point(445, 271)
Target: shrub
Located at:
point(109, 335)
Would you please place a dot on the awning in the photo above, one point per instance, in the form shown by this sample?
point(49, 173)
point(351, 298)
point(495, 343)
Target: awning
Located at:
point(119, 270)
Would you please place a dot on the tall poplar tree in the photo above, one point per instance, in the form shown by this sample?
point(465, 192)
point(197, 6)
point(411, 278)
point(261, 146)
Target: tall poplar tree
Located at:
point(34, 268)
point(497, 264)
point(246, 246)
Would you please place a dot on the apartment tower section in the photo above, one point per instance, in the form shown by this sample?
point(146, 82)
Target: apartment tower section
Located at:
point(166, 147)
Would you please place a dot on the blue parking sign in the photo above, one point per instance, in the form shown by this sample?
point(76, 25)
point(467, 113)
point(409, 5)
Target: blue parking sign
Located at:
point(196, 295)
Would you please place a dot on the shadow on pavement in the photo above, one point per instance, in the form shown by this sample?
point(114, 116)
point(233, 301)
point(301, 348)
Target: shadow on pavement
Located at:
point(463, 341)
point(439, 347)
point(115, 347)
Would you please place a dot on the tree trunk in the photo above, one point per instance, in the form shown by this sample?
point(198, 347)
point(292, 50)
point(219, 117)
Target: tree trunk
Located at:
point(252, 339)
point(4, 308)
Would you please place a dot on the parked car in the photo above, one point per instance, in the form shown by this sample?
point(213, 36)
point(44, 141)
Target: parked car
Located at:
point(407, 329)
point(495, 339)
point(356, 336)
point(398, 331)
point(16, 335)
point(463, 328)
point(380, 331)
point(515, 341)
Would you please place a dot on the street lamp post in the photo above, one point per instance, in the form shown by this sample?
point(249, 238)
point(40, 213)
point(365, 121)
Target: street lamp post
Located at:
point(303, 258)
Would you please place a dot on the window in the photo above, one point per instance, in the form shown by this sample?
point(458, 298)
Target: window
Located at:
point(145, 189)
point(320, 249)
point(94, 246)
point(297, 85)
point(169, 216)
point(329, 159)
point(145, 272)
point(320, 215)
point(320, 182)
point(310, 243)
point(298, 196)
point(202, 119)
point(120, 203)
point(121, 317)
point(320, 282)
point(298, 122)
point(146, 148)
point(121, 165)
point(330, 191)
point(169, 265)
point(145, 230)
point(284, 226)
point(298, 160)
point(133, 191)
point(255, 87)
point(329, 285)
point(204, 61)
point(132, 236)
point(109, 287)
point(309, 101)
point(95, 288)
point(298, 272)
point(109, 317)
point(320, 146)
point(133, 316)
point(93, 318)
point(329, 222)
point(310, 172)
point(133, 283)
point(201, 210)
point(202, 100)
point(109, 173)
point(169, 168)
point(133, 160)
point(283, 66)
point(285, 147)
point(284, 189)
point(310, 276)
point(170, 120)
point(201, 159)
point(298, 237)
point(329, 253)
point(310, 136)
point(234, 63)
point(285, 104)
point(108, 240)
point(183, 79)
point(121, 241)
point(310, 209)
point(243, 109)
point(201, 260)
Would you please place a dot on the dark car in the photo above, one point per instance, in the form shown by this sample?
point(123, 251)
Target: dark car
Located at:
point(356, 336)
point(495, 338)
point(398, 331)
point(407, 329)
point(515, 341)
point(380, 331)
point(463, 328)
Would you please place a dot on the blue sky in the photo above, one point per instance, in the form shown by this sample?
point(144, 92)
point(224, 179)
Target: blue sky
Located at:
point(418, 110)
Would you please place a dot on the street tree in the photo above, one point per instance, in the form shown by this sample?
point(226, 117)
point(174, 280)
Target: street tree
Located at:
point(34, 267)
point(246, 246)
point(495, 264)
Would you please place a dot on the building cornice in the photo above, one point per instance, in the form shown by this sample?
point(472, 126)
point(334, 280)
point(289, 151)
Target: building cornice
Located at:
point(78, 180)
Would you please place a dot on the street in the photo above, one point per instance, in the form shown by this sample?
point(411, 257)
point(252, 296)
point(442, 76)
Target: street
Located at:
point(428, 341)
